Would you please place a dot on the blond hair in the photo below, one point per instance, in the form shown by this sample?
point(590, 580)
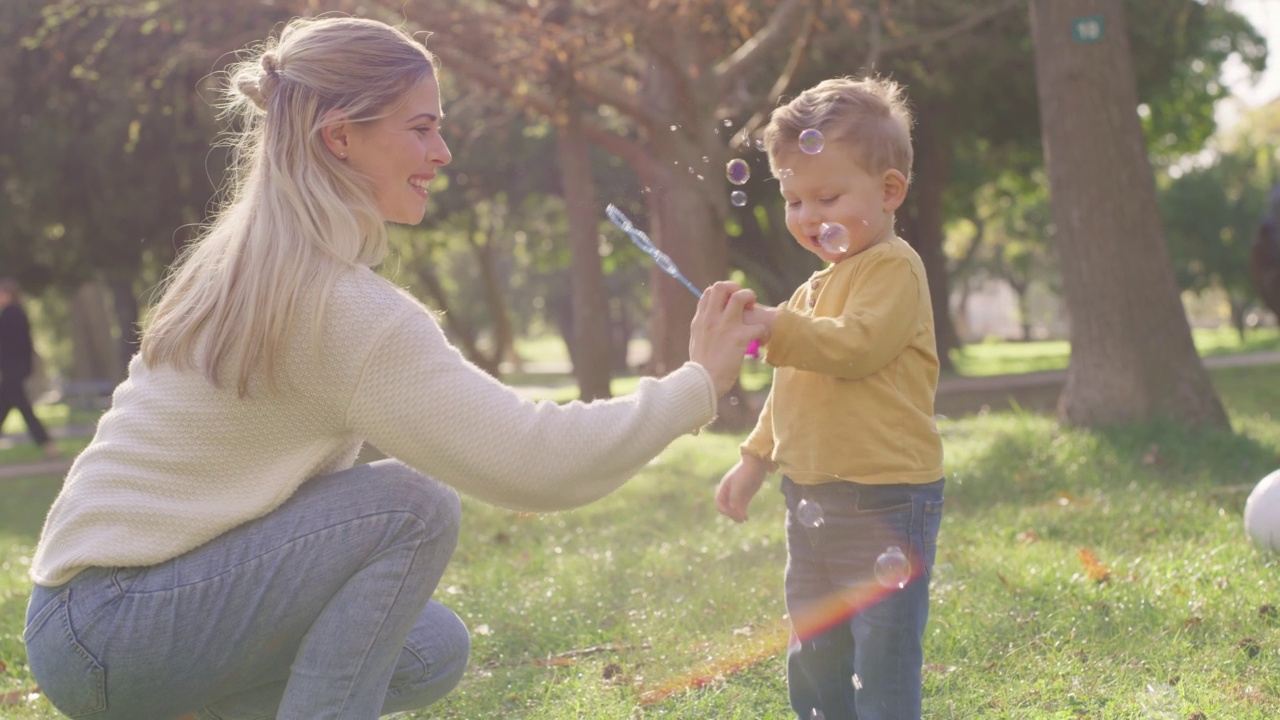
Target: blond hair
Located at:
point(294, 217)
point(869, 115)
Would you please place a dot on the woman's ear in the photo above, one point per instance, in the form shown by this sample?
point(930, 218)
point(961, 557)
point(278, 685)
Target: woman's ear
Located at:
point(336, 130)
point(895, 190)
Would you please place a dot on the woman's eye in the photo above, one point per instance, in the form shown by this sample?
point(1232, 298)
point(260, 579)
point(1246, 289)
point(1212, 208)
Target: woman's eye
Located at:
point(793, 203)
point(423, 130)
point(828, 201)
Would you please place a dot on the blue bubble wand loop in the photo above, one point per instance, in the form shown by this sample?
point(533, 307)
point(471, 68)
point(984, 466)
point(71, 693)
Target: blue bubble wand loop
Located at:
point(643, 242)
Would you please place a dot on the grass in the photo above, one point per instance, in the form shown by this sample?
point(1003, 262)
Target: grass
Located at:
point(975, 360)
point(1007, 358)
point(580, 614)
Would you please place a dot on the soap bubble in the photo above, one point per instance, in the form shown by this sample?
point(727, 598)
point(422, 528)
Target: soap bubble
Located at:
point(738, 198)
point(811, 142)
point(893, 570)
point(833, 237)
point(809, 514)
point(738, 171)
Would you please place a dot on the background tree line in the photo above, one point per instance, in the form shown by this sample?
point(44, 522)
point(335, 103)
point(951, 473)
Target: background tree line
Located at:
point(556, 108)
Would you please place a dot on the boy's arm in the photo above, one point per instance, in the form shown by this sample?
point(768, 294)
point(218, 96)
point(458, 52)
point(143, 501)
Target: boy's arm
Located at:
point(759, 444)
point(878, 321)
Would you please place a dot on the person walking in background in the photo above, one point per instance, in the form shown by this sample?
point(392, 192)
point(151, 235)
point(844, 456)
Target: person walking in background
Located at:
point(16, 354)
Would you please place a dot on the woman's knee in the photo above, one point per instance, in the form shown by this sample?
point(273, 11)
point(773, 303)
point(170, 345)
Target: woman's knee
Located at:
point(433, 661)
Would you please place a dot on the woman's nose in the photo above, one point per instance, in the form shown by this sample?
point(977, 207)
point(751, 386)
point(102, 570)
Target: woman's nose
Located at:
point(438, 153)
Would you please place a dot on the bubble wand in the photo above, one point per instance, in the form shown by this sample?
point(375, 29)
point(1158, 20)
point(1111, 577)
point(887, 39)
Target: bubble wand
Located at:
point(663, 261)
point(643, 242)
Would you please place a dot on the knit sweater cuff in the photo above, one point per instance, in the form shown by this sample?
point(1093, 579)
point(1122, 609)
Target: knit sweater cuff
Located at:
point(695, 394)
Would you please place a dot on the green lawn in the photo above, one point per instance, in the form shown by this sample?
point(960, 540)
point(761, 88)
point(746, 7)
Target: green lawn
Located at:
point(1006, 358)
point(584, 614)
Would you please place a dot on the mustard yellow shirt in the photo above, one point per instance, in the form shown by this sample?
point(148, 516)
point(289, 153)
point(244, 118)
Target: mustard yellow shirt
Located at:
point(856, 369)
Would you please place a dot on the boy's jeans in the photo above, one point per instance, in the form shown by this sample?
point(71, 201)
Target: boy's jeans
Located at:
point(319, 609)
point(864, 666)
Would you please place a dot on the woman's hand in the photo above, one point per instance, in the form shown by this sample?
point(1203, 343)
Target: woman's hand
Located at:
point(717, 337)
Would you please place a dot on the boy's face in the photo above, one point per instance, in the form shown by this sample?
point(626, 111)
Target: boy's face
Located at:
point(830, 187)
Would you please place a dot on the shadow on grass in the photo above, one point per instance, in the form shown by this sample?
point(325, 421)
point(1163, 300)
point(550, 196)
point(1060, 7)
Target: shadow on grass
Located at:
point(1029, 459)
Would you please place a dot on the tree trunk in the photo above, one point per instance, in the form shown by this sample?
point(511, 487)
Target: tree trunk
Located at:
point(590, 302)
point(94, 350)
point(126, 307)
point(923, 222)
point(1238, 319)
point(1132, 356)
point(504, 335)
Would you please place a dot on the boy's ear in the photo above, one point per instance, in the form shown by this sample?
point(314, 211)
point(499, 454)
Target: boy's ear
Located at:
point(894, 185)
point(336, 131)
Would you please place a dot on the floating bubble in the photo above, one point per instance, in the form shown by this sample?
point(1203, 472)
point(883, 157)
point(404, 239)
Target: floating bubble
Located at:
point(738, 171)
point(833, 237)
point(728, 122)
point(892, 568)
point(738, 198)
point(811, 141)
point(706, 159)
point(809, 514)
point(760, 144)
point(674, 128)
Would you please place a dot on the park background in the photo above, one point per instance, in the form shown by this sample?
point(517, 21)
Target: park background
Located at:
point(1110, 371)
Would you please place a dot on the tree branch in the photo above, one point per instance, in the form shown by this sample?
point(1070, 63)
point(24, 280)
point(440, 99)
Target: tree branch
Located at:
point(950, 31)
point(784, 78)
point(758, 46)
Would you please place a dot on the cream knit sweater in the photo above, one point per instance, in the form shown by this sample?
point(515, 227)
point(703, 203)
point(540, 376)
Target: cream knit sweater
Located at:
point(176, 461)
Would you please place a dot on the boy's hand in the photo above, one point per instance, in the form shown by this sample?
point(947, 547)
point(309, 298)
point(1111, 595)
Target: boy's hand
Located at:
point(763, 315)
point(738, 486)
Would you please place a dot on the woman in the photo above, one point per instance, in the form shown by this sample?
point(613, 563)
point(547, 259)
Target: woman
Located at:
point(213, 550)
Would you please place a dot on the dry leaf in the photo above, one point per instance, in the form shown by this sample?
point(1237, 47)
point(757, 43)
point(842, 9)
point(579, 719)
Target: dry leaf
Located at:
point(1097, 571)
point(1027, 537)
point(17, 697)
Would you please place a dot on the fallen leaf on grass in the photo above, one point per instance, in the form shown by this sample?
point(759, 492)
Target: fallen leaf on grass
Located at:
point(1097, 571)
point(18, 697)
point(1026, 537)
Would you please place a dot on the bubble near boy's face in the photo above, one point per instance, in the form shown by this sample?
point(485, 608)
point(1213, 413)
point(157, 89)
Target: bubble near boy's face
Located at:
point(831, 189)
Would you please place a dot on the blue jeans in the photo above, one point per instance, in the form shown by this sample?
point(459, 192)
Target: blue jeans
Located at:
point(320, 609)
point(862, 659)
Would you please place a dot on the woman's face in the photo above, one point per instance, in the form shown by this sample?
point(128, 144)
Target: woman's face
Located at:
point(401, 152)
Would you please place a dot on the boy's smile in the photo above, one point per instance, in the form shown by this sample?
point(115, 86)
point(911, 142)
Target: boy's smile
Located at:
point(831, 187)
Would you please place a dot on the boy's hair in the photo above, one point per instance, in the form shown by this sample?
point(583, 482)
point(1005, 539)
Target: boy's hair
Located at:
point(869, 115)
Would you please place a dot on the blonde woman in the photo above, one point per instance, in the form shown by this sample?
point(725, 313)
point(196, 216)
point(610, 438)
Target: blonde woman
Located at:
point(213, 551)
